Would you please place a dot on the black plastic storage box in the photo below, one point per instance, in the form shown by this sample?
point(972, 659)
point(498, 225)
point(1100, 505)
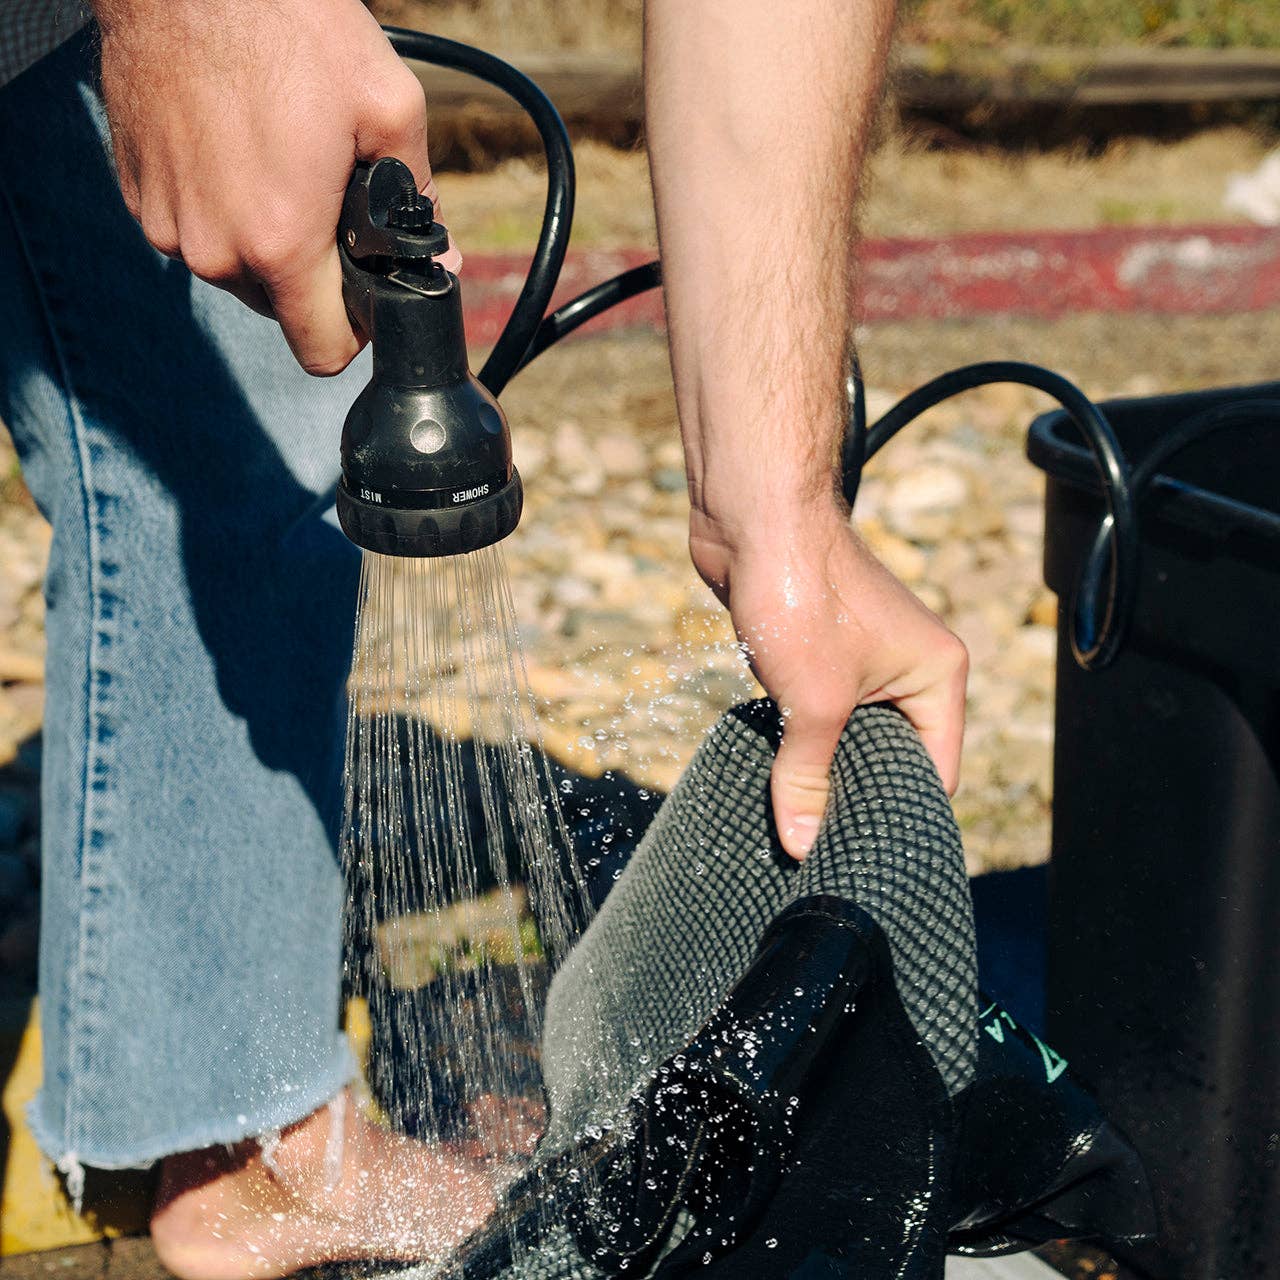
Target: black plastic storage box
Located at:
point(1164, 929)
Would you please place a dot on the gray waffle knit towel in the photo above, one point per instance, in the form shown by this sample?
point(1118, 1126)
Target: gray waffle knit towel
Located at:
point(683, 922)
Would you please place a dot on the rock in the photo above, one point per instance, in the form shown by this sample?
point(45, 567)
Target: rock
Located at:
point(1026, 519)
point(1034, 647)
point(973, 627)
point(952, 560)
point(621, 456)
point(919, 505)
point(637, 494)
point(603, 567)
point(575, 463)
point(21, 568)
point(587, 482)
point(703, 627)
point(903, 559)
point(554, 684)
point(570, 447)
point(16, 666)
point(531, 456)
point(1029, 763)
point(1044, 609)
point(933, 598)
point(1001, 407)
point(670, 453)
point(878, 401)
point(669, 480)
point(574, 593)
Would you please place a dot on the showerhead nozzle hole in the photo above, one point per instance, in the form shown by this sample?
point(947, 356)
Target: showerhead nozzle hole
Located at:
point(428, 436)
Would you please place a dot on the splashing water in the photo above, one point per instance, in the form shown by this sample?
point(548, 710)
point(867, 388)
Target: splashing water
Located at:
point(463, 893)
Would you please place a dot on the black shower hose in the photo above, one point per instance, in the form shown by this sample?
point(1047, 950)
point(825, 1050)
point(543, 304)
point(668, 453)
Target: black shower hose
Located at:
point(1104, 595)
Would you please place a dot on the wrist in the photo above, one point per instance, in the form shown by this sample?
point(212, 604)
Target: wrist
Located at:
point(755, 523)
point(764, 452)
point(741, 504)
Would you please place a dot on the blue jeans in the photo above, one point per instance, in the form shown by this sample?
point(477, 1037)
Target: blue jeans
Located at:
point(200, 601)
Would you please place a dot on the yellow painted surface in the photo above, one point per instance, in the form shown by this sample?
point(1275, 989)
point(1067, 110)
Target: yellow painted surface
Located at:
point(34, 1211)
point(359, 1030)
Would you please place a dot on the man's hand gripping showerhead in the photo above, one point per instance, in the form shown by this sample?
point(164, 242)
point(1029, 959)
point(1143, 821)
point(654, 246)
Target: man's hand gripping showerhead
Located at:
point(236, 126)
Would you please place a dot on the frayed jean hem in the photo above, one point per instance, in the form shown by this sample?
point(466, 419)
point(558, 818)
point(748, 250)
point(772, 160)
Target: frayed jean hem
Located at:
point(292, 1103)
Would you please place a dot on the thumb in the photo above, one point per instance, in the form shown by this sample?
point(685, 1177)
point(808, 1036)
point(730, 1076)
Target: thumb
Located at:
point(801, 780)
point(398, 127)
point(451, 258)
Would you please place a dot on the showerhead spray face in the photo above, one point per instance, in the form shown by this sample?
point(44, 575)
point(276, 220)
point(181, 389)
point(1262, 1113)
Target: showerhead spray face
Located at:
point(426, 453)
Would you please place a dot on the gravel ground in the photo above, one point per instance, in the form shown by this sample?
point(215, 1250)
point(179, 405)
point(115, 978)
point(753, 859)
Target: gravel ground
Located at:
point(628, 652)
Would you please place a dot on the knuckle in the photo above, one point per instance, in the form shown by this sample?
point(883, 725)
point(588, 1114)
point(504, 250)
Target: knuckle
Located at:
point(955, 654)
point(801, 780)
point(816, 711)
point(399, 107)
point(160, 231)
point(271, 252)
point(216, 263)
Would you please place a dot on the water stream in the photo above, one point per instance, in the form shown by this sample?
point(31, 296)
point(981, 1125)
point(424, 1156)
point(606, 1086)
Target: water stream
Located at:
point(463, 892)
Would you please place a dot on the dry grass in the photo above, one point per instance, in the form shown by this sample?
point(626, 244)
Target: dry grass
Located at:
point(1094, 23)
point(587, 26)
point(597, 25)
point(501, 208)
point(912, 190)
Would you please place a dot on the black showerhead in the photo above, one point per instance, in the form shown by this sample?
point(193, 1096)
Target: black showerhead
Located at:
point(426, 453)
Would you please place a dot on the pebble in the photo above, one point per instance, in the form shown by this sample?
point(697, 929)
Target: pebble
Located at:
point(922, 504)
point(621, 455)
point(1043, 611)
point(902, 558)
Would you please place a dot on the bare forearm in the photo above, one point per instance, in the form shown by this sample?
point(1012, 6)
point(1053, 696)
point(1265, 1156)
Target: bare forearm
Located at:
point(757, 121)
point(757, 118)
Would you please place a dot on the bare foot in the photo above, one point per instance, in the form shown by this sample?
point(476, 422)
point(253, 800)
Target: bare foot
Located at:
point(235, 1214)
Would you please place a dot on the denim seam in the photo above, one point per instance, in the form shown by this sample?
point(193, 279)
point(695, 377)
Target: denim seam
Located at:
point(81, 999)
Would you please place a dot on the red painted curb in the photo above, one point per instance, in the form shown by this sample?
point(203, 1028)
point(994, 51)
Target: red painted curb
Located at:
point(1167, 270)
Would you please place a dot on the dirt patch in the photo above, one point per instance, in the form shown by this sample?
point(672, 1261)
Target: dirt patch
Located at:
point(912, 189)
